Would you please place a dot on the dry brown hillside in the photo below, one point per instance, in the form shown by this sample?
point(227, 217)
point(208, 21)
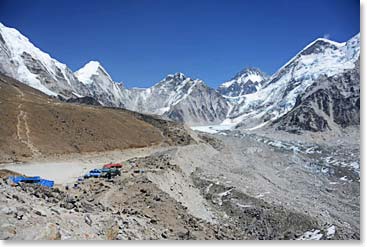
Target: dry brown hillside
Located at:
point(35, 125)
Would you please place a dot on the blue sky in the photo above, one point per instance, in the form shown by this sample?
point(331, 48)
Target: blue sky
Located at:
point(139, 42)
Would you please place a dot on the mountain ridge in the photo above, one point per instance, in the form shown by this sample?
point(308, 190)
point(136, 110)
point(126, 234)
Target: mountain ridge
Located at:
point(250, 99)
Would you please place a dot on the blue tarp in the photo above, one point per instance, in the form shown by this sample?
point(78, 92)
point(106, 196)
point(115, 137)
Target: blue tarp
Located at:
point(34, 180)
point(47, 183)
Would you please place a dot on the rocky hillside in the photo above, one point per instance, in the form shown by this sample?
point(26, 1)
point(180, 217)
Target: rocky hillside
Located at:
point(35, 125)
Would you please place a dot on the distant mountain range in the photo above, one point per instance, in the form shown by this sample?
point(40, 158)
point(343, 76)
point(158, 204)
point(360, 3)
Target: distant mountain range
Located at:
point(317, 90)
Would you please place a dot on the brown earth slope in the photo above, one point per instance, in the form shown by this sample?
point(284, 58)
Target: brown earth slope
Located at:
point(34, 125)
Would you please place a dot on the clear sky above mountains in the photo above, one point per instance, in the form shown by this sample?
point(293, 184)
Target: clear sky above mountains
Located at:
point(141, 41)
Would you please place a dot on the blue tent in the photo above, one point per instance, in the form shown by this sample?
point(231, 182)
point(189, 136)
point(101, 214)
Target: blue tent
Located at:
point(47, 183)
point(33, 180)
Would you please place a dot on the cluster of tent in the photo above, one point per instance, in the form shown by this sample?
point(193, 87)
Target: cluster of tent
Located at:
point(108, 170)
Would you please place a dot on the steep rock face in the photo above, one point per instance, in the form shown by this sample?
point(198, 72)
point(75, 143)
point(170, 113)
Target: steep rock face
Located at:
point(21, 60)
point(330, 103)
point(179, 98)
point(100, 84)
point(87, 100)
point(159, 98)
point(321, 59)
point(204, 105)
point(245, 82)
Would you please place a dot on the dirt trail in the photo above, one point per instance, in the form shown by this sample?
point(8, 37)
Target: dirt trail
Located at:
point(67, 168)
point(23, 131)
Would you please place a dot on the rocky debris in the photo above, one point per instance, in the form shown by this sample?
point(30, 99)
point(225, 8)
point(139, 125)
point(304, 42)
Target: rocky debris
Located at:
point(88, 220)
point(4, 173)
point(153, 163)
point(50, 232)
point(7, 231)
point(87, 100)
point(9, 210)
point(40, 212)
point(175, 133)
point(51, 195)
point(266, 172)
point(212, 141)
point(183, 194)
point(256, 218)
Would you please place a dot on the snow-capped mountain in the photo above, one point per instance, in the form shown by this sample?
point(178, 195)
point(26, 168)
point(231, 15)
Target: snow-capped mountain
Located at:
point(23, 61)
point(100, 84)
point(320, 60)
point(318, 89)
point(329, 104)
point(179, 98)
point(202, 105)
point(247, 81)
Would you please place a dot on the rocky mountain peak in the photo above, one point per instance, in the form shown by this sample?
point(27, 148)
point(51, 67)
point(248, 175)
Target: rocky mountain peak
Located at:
point(320, 45)
point(251, 73)
point(178, 76)
point(248, 80)
point(100, 83)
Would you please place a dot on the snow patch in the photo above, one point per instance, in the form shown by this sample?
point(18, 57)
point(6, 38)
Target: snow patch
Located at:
point(311, 235)
point(212, 129)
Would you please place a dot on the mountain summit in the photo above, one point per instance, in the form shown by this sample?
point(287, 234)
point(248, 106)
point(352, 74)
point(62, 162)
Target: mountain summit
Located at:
point(179, 98)
point(92, 68)
point(246, 81)
point(100, 84)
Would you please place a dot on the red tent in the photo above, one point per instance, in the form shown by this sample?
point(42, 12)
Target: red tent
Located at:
point(112, 166)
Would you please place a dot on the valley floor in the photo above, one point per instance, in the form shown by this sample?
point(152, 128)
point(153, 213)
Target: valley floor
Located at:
point(65, 169)
point(231, 185)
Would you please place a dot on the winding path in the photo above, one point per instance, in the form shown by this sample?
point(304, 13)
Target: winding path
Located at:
point(23, 131)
